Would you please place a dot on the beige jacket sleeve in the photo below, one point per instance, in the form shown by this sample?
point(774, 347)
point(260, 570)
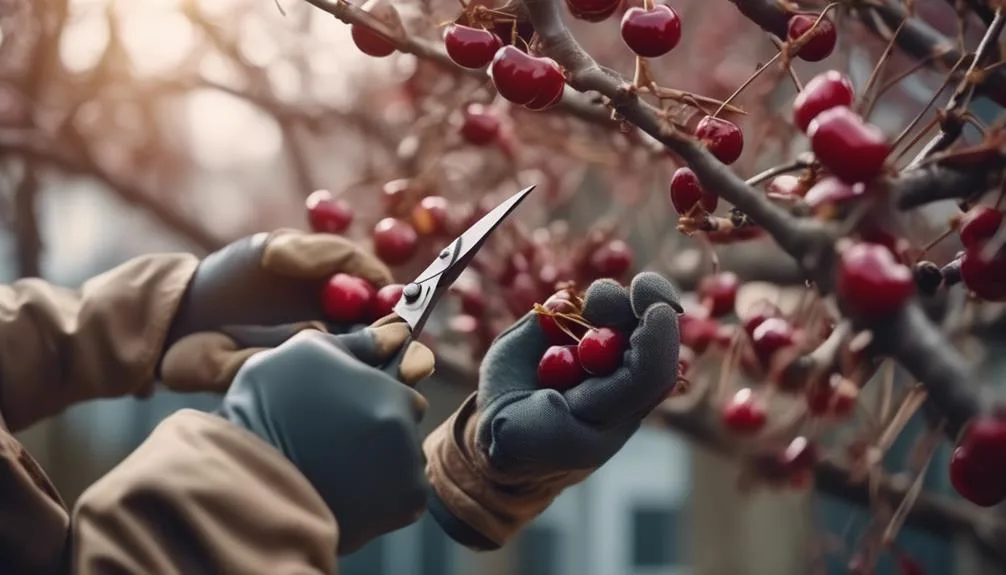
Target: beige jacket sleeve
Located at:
point(495, 505)
point(202, 496)
point(59, 346)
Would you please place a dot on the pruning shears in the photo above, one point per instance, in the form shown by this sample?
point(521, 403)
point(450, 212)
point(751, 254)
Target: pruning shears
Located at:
point(421, 295)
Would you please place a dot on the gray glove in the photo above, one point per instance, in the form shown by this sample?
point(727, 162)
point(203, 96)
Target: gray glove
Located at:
point(502, 461)
point(527, 430)
point(350, 429)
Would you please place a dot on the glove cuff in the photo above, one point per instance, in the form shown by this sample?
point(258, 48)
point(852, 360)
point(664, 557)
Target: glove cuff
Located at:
point(472, 496)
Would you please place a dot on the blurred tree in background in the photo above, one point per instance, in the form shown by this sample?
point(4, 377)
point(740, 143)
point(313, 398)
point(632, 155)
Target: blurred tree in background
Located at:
point(810, 359)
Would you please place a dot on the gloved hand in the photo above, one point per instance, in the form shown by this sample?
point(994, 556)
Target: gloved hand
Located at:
point(350, 429)
point(505, 456)
point(270, 279)
point(262, 280)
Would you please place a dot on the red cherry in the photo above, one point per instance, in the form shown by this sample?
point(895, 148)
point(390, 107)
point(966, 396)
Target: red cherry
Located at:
point(849, 147)
point(826, 399)
point(370, 42)
point(553, 326)
point(347, 299)
point(744, 414)
point(328, 214)
point(908, 565)
point(979, 224)
point(687, 192)
point(821, 43)
point(723, 138)
point(786, 187)
point(871, 282)
point(771, 336)
point(526, 80)
point(612, 260)
point(385, 301)
point(592, 10)
point(831, 193)
point(464, 324)
point(686, 358)
point(698, 333)
point(758, 313)
point(719, 292)
point(651, 33)
point(394, 191)
point(560, 368)
point(824, 92)
point(429, 217)
point(799, 456)
point(395, 241)
point(473, 303)
point(521, 294)
point(471, 48)
point(480, 125)
point(600, 351)
point(552, 274)
point(986, 277)
point(978, 463)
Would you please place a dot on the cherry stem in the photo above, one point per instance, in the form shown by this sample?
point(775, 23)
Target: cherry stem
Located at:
point(909, 71)
point(780, 46)
point(965, 90)
point(747, 83)
point(575, 318)
point(932, 243)
point(867, 102)
point(929, 104)
point(696, 100)
point(798, 164)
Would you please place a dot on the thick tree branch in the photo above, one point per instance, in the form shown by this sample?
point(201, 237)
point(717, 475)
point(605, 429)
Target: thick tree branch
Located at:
point(883, 17)
point(575, 104)
point(932, 183)
point(936, 514)
point(928, 356)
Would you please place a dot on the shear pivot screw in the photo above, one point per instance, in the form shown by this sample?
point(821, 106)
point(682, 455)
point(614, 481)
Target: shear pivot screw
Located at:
point(411, 292)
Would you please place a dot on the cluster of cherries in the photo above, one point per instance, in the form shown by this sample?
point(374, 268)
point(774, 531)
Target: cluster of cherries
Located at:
point(412, 217)
point(764, 341)
point(351, 300)
point(577, 350)
point(533, 272)
point(852, 150)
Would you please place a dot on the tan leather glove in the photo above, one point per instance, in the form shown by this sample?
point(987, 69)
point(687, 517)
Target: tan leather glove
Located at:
point(269, 279)
point(208, 361)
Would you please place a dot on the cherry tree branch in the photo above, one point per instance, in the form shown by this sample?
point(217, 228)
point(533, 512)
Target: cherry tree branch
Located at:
point(952, 123)
point(939, 515)
point(924, 353)
point(882, 17)
point(932, 183)
point(575, 104)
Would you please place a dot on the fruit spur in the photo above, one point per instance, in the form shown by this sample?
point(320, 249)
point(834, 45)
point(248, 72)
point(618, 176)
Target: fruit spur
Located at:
point(577, 349)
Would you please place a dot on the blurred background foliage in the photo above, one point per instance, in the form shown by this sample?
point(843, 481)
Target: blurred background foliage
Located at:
point(163, 125)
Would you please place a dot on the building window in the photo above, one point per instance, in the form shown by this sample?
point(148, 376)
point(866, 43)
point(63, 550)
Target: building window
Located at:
point(538, 551)
point(655, 536)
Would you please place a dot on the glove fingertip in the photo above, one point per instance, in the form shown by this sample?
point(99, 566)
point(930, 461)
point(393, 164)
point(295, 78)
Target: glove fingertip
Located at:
point(607, 303)
point(649, 288)
point(417, 364)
